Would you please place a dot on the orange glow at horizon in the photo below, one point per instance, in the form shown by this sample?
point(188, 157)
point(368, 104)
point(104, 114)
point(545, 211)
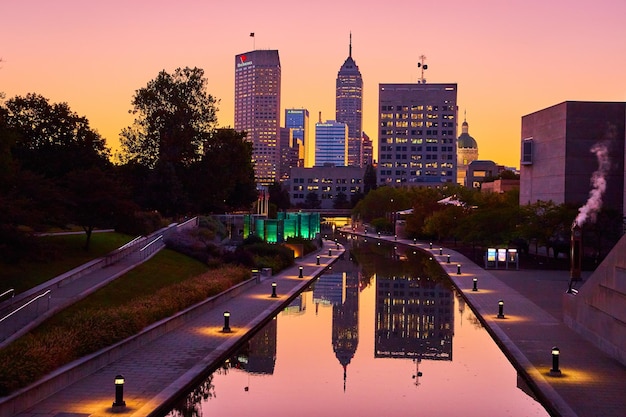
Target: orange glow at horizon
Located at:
point(94, 56)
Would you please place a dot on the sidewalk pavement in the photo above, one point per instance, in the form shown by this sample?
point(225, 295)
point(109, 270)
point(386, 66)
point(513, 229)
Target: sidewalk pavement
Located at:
point(156, 373)
point(591, 383)
point(58, 294)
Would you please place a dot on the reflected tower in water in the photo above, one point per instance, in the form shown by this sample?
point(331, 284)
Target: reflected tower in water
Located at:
point(414, 318)
point(345, 326)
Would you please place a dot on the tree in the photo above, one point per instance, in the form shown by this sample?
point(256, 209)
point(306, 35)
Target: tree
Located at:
point(52, 140)
point(279, 195)
point(369, 179)
point(227, 174)
point(175, 117)
point(341, 202)
point(95, 200)
point(312, 201)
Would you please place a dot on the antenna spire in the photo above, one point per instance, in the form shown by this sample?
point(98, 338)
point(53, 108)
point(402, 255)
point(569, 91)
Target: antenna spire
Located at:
point(350, 50)
point(423, 66)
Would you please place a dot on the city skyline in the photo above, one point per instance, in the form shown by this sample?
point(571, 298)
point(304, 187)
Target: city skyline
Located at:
point(508, 60)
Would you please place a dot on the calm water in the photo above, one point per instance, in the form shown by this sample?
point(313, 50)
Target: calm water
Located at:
point(382, 333)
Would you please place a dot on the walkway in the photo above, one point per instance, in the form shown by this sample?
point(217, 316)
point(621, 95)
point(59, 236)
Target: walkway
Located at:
point(591, 384)
point(156, 372)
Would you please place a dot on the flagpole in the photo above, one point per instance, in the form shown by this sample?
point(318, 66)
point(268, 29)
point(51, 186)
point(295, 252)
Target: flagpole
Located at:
point(253, 41)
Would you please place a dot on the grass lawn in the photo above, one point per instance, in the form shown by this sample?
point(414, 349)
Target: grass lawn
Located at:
point(65, 252)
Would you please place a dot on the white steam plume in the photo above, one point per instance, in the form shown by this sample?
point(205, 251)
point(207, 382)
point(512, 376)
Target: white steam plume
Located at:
point(598, 183)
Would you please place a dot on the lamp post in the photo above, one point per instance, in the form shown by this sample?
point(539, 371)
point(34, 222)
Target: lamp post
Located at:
point(501, 309)
point(330, 251)
point(448, 258)
point(274, 290)
point(119, 392)
point(226, 328)
point(458, 269)
point(440, 251)
point(475, 287)
point(430, 245)
point(555, 371)
point(317, 262)
point(299, 272)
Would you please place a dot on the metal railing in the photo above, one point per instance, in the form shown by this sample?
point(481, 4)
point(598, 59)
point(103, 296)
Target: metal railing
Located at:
point(5, 334)
point(151, 247)
point(12, 290)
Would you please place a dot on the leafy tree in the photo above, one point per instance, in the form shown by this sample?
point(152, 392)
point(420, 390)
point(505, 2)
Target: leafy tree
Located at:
point(95, 200)
point(369, 179)
point(227, 174)
point(279, 195)
point(341, 202)
point(312, 201)
point(174, 119)
point(52, 140)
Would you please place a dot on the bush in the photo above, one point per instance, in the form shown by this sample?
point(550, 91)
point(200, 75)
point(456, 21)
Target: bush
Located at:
point(140, 223)
point(42, 351)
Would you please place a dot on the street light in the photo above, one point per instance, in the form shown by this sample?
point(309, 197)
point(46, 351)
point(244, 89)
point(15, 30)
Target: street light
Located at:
point(458, 269)
point(119, 392)
point(448, 258)
point(501, 309)
point(300, 272)
point(555, 361)
point(274, 290)
point(317, 260)
point(440, 251)
point(226, 328)
point(475, 288)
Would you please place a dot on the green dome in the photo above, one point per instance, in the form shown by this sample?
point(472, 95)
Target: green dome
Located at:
point(465, 140)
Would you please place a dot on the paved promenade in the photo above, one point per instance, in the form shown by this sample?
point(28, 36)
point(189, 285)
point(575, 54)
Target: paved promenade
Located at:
point(156, 372)
point(591, 384)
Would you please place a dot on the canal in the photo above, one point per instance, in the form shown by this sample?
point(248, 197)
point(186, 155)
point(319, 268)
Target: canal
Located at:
point(383, 332)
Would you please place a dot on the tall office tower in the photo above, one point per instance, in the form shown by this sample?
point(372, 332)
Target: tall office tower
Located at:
point(331, 143)
point(288, 153)
point(298, 121)
point(349, 105)
point(257, 109)
point(367, 150)
point(417, 134)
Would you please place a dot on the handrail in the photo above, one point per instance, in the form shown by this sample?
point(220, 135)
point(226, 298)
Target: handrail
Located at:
point(25, 305)
point(8, 291)
point(129, 244)
point(154, 241)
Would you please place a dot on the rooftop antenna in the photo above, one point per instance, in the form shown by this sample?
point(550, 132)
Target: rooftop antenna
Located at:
point(424, 67)
point(253, 41)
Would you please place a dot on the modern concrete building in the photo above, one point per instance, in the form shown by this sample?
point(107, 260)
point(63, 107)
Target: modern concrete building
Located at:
point(298, 121)
point(558, 158)
point(466, 152)
point(289, 153)
point(367, 150)
point(331, 143)
point(478, 170)
point(327, 182)
point(257, 109)
point(417, 134)
point(349, 106)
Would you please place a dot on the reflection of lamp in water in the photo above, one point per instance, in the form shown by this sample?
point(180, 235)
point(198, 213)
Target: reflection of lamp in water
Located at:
point(418, 374)
point(555, 361)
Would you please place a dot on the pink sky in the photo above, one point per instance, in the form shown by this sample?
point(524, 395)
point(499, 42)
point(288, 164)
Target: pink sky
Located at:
point(508, 58)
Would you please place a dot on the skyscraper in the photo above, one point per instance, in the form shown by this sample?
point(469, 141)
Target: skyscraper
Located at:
point(331, 143)
point(349, 105)
point(257, 109)
point(298, 121)
point(417, 134)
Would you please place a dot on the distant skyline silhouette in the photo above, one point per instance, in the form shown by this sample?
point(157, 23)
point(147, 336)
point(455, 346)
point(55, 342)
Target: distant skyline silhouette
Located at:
point(508, 60)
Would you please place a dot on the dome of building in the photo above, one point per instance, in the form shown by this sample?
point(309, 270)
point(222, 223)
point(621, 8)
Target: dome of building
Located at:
point(465, 141)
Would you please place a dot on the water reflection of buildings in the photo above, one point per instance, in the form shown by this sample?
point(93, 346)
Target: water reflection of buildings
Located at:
point(258, 356)
point(414, 318)
point(341, 291)
point(297, 306)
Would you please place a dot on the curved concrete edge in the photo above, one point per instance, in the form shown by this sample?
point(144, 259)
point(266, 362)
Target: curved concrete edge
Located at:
point(166, 398)
point(80, 368)
point(532, 376)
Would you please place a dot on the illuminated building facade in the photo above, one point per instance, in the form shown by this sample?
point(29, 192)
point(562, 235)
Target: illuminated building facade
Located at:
point(257, 109)
point(467, 152)
point(298, 121)
point(331, 143)
point(417, 134)
point(326, 182)
point(349, 106)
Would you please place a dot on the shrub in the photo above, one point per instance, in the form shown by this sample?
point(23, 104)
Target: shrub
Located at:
point(49, 347)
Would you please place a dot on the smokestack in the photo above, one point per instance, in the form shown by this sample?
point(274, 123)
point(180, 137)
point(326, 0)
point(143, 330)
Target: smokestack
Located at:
point(576, 252)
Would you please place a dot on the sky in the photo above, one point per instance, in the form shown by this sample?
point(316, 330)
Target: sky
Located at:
point(509, 58)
